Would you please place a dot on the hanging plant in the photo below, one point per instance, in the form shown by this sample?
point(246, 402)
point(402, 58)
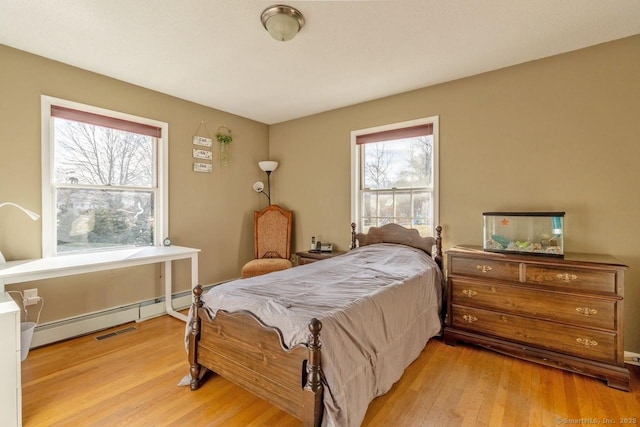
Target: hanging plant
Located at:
point(224, 138)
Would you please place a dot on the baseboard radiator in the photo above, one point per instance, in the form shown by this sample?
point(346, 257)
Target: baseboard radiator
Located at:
point(77, 326)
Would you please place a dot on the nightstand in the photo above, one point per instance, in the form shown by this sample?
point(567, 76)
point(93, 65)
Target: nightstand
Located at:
point(306, 257)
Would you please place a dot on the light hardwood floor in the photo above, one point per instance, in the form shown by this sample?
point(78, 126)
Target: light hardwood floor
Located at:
point(131, 380)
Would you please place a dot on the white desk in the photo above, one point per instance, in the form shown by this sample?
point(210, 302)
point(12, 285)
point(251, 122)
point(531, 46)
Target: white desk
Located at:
point(68, 265)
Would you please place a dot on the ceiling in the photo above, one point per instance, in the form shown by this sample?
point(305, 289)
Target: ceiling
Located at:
point(216, 52)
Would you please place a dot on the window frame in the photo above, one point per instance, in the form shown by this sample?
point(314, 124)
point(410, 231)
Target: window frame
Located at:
point(357, 169)
point(160, 165)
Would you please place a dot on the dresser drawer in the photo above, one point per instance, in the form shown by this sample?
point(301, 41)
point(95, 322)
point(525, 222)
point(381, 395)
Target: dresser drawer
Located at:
point(486, 268)
point(565, 308)
point(572, 278)
point(580, 342)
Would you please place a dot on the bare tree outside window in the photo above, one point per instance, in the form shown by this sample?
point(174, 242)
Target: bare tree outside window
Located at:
point(377, 166)
point(398, 183)
point(104, 182)
point(419, 161)
point(96, 155)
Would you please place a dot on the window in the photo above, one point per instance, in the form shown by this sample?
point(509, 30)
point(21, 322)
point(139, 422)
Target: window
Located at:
point(104, 179)
point(395, 175)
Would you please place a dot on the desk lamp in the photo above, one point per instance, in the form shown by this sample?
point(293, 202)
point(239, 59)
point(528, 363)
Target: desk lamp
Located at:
point(34, 216)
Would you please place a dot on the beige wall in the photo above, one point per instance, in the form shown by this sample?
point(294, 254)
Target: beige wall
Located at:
point(555, 134)
point(208, 211)
point(558, 134)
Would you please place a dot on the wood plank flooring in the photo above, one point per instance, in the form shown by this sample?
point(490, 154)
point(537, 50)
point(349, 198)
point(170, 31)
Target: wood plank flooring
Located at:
point(131, 380)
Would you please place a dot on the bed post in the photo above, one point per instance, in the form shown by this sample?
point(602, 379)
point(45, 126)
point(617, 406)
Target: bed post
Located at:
point(194, 336)
point(438, 257)
point(353, 235)
point(313, 389)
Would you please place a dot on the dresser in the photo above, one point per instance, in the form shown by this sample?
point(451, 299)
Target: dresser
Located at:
point(562, 312)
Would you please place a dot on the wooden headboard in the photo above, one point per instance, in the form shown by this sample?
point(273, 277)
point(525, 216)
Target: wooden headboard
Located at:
point(394, 233)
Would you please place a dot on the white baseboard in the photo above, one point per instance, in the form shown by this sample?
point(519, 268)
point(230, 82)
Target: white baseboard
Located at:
point(632, 358)
point(86, 324)
point(74, 327)
point(150, 311)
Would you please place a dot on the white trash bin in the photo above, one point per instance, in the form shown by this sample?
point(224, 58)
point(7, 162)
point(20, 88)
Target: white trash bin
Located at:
point(27, 328)
point(26, 335)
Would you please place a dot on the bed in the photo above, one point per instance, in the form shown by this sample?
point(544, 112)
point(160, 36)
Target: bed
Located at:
point(320, 341)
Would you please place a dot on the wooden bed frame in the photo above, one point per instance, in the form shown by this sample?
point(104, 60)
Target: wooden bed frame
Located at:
point(242, 349)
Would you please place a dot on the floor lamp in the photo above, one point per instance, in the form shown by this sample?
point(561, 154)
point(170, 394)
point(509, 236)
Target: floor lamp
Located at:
point(268, 166)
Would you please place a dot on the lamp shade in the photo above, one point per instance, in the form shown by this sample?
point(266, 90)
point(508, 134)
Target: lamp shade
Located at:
point(282, 22)
point(258, 186)
point(268, 165)
point(34, 216)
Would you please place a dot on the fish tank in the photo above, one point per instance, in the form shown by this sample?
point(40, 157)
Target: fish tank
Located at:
point(535, 233)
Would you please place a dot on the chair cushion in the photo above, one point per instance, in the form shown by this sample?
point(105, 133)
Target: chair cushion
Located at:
point(261, 266)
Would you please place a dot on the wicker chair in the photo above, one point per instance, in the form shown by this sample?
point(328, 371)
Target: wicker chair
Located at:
point(272, 235)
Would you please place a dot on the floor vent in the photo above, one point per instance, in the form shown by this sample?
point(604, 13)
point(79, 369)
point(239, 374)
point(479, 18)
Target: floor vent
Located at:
point(116, 333)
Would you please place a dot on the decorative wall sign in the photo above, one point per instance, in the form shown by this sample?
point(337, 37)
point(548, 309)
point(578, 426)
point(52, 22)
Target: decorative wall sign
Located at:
point(202, 154)
point(202, 141)
point(202, 138)
point(202, 167)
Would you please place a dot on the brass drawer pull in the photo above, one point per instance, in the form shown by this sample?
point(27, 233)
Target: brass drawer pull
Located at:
point(469, 292)
point(586, 311)
point(484, 268)
point(587, 342)
point(469, 318)
point(566, 277)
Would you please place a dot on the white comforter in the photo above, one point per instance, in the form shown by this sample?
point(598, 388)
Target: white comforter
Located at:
point(378, 305)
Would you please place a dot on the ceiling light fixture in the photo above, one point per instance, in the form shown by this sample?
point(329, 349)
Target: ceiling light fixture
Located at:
point(282, 22)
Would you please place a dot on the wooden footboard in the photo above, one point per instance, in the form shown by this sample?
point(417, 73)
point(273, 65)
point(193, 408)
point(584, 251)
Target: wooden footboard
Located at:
point(239, 347)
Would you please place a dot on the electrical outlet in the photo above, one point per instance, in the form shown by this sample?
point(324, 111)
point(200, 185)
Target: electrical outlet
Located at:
point(632, 358)
point(30, 296)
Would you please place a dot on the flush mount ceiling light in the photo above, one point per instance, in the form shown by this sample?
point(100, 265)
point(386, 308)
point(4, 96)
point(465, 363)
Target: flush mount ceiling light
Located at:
point(282, 22)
